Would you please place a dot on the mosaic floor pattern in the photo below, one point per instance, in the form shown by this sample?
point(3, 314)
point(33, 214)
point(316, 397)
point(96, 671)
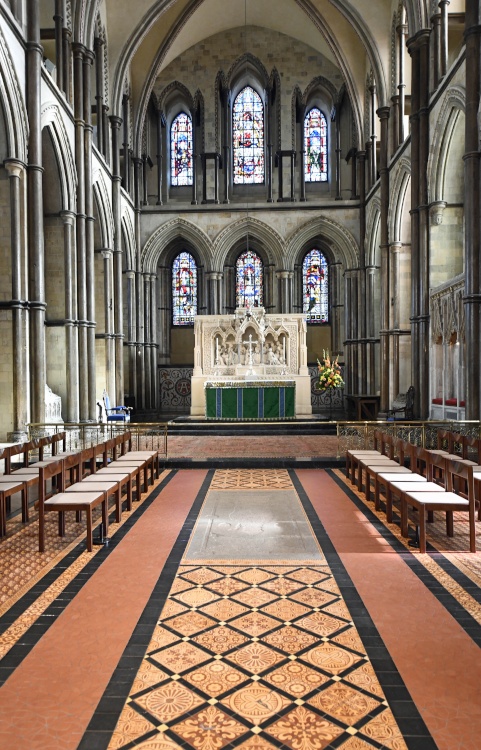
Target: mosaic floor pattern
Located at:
point(255, 656)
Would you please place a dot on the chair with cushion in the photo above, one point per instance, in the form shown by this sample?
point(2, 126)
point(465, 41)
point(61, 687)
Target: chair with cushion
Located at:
point(116, 413)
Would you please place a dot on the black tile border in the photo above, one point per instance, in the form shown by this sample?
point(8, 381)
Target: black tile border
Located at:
point(117, 691)
point(415, 732)
point(465, 620)
point(30, 638)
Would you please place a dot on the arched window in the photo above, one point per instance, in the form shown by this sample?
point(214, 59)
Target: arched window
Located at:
point(184, 290)
point(181, 163)
point(248, 137)
point(249, 280)
point(315, 287)
point(315, 146)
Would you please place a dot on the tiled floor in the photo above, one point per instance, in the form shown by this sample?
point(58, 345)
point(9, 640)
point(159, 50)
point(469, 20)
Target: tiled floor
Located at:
point(370, 645)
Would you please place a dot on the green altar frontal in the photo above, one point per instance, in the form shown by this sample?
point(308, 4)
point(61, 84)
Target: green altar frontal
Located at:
point(252, 400)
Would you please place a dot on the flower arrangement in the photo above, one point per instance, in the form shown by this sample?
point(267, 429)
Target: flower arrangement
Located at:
point(329, 373)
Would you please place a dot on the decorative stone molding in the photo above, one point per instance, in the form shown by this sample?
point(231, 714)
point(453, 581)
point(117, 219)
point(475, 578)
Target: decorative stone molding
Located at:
point(271, 241)
point(16, 121)
point(436, 211)
point(166, 233)
point(344, 246)
point(51, 118)
point(398, 195)
point(447, 312)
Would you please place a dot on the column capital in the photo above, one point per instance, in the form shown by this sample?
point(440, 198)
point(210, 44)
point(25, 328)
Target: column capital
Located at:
point(14, 167)
point(68, 217)
point(78, 49)
point(130, 274)
point(383, 113)
point(106, 253)
point(115, 121)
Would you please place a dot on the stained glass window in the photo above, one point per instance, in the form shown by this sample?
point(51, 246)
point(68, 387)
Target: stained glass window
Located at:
point(248, 137)
point(249, 280)
point(315, 146)
point(184, 290)
point(315, 287)
point(181, 163)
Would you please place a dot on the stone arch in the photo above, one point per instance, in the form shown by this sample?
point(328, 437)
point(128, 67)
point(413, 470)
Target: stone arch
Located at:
point(128, 235)
point(260, 234)
point(373, 219)
point(168, 233)
point(399, 194)
point(13, 106)
point(345, 247)
point(52, 120)
point(453, 105)
point(104, 208)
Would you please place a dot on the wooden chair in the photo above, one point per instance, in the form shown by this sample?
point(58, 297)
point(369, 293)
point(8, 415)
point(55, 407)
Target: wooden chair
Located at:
point(61, 502)
point(420, 479)
point(75, 464)
point(9, 486)
point(403, 449)
point(109, 465)
point(353, 455)
point(447, 502)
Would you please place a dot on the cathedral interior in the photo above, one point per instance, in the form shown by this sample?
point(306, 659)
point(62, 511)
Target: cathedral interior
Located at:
point(305, 170)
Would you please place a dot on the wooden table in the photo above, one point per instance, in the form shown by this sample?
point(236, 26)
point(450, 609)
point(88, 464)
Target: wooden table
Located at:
point(363, 406)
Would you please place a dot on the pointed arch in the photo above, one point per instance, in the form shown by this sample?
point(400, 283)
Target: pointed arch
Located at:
point(169, 232)
point(344, 246)
point(104, 208)
point(13, 106)
point(257, 231)
point(51, 118)
point(453, 105)
point(399, 195)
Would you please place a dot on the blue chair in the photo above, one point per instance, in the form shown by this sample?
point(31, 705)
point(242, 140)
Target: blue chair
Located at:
point(116, 413)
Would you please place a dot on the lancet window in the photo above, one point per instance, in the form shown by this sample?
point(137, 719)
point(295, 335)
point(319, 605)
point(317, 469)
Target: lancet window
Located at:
point(248, 137)
point(184, 290)
point(181, 161)
point(249, 280)
point(315, 287)
point(315, 146)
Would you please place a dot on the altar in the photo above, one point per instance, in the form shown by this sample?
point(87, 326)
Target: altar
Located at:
point(250, 366)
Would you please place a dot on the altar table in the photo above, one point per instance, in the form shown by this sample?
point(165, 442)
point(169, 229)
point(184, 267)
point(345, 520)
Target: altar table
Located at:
point(250, 400)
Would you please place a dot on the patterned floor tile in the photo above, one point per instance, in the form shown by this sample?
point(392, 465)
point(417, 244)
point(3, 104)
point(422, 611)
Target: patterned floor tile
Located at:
point(303, 729)
point(365, 678)
point(384, 729)
point(349, 638)
point(255, 623)
point(254, 597)
point(254, 576)
point(338, 609)
point(227, 586)
point(169, 701)
point(196, 597)
point(306, 575)
point(285, 610)
point(189, 623)
point(220, 639)
point(289, 639)
point(331, 658)
point(160, 638)
point(320, 624)
point(296, 678)
point(313, 597)
point(209, 729)
point(172, 608)
point(354, 743)
point(343, 703)
point(255, 743)
point(282, 586)
point(255, 657)
point(256, 703)
point(147, 676)
point(201, 575)
point(243, 479)
point(130, 726)
point(180, 657)
point(215, 678)
point(158, 743)
point(224, 609)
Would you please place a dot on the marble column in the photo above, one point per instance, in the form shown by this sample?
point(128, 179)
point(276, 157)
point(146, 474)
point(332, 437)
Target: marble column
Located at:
point(89, 237)
point(213, 299)
point(148, 342)
point(373, 153)
point(58, 19)
point(154, 379)
point(362, 312)
point(115, 123)
point(107, 256)
point(131, 333)
point(99, 90)
point(165, 313)
point(338, 155)
point(436, 54)
point(472, 210)
point(395, 323)
point(444, 36)
point(284, 278)
point(372, 282)
point(401, 87)
point(383, 113)
point(71, 324)
point(16, 173)
point(159, 157)
point(337, 308)
point(66, 74)
point(36, 250)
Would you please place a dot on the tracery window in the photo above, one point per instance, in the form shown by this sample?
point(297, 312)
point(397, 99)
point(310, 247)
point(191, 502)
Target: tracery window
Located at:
point(315, 146)
point(315, 287)
point(248, 137)
point(249, 280)
point(181, 162)
point(184, 289)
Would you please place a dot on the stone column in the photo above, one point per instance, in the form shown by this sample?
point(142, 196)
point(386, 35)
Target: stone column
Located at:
point(383, 113)
point(107, 255)
point(373, 154)
point(131, 333)
point(226, 147)
point(159, 158)
point(283, 278)
point(419, 50)
point(115, 123)
point(372, 281)
point(444, 36)
point(89, 237)
point(472, 210)
point(16, 173)
point(212, 293)
point(362, 312)
point(154, 380)
point(99, 90)
point(148, 342)
point(126, 143)
point(338, 156)
point(145, 189)
point(436, 56)
point(58, 18)
point(337, 307)
point(395, 249)
point(36, 250)
point(71, 326)
point(401, 87)
point(66, 74)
